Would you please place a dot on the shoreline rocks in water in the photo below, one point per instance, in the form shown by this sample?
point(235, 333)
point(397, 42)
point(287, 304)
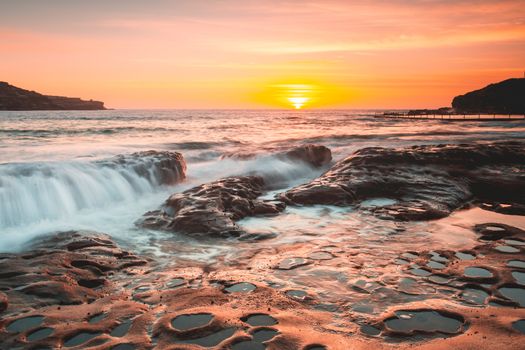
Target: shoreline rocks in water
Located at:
point(311, 154)
point(211, 209)
point(426, 182)
point(167, 167)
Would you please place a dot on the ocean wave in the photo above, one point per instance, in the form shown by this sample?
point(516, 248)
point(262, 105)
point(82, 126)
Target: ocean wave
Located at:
point(46, 133)
point(47, 191)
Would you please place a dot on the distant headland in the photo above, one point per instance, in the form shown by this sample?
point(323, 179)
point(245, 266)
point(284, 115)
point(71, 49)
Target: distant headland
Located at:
point(13, 98)
point(504, 98)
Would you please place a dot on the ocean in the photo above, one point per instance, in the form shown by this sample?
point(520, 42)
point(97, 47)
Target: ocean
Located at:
point(53, 178)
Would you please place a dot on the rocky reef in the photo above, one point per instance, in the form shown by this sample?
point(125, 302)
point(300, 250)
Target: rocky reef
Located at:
point(13, 98)
point(366, 284)
point(212, 209)
point(506, 97)
point(420, 182)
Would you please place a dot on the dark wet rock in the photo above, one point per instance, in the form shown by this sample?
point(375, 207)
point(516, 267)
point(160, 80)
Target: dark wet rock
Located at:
point(212, 209)
point(163, 167)
point(427, 182)
point(315, 155)
point(508, 209)
point(53, 270)
point(4, 302)
point(497, 231)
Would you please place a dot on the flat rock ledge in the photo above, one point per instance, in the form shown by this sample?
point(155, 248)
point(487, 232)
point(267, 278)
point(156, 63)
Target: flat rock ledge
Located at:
point(420, 182)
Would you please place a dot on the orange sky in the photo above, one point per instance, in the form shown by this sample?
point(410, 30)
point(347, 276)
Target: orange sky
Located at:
point(255, 54)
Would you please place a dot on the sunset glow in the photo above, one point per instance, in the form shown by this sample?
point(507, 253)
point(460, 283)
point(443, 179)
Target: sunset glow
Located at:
point(298, 102)
point(225, 54)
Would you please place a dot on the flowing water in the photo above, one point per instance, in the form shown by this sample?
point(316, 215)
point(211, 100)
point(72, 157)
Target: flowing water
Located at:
point(51, 176)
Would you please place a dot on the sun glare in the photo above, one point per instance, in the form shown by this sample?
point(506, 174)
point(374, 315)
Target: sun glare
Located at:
point(298, 102)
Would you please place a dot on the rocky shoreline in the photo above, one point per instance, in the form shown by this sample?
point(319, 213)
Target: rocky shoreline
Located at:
point(80, 289)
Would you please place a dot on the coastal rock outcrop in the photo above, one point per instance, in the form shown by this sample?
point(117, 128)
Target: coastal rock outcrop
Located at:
point(212, 209)
point(166, 167)
point(13, 98)
point(506, 97)
point(312, 154)
point(421, 182)
point(65, 269)
point(315, 155)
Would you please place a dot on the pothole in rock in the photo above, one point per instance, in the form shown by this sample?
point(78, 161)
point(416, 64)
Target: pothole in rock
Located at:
point(420, 272)
point(436, 265)
point(519, 326)
point(315, 347)
point(506, 249)
point(412, 287)
point(438, 279)
point(259, 320)
point(519, 277)
point(242, 287)
point(409, 322)
point(80, 338)
point(370, 330)
point(513, 242)
point(259, 336)
point(122, 329)
point(25, 323)
point(264, 334)
point(176, 282)
point(210, 340)
point(516, 263)
point(190, 321)
point(296, 294)
point(474, 296)
point(248, 345)
point(97, 318)
point(465, 256)
point(477, 272)
point(514, 293)
point(125, 346)
point(40, 334)
point(438, 257)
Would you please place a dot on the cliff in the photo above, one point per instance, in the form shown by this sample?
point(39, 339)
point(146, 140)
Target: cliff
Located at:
point(17, 99)
point(506, 97)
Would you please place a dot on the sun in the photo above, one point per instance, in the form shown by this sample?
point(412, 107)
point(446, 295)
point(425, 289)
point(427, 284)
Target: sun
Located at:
point(298, 102)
